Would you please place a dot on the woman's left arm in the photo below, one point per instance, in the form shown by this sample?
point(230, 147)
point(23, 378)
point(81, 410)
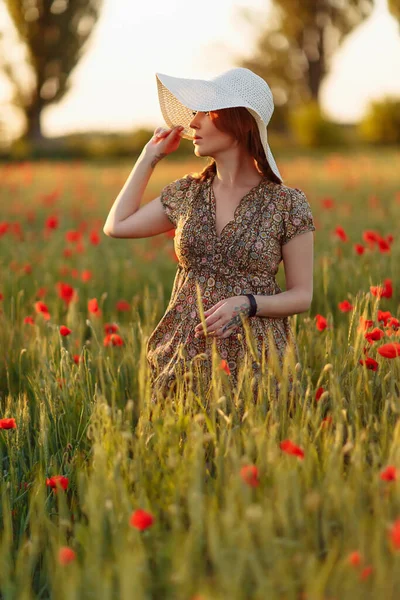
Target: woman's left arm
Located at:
point(298, 259)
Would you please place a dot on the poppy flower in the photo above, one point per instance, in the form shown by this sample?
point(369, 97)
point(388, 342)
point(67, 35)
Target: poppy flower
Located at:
point(393, 323)
point(345, 306)
point(141, 519)
point(123, 305)
point(359, 249)
point(57, 480)
point(110, 328)
point(41, 308)
point(93, 307)
point(366, 572)
point(51, 222)
point(365, 323)
point(374, 335)
point(321, 322)
point(394, 534)
point(249, 474)
point(384, 316)
point(225, 367)
point(390, 350)
point(290, 448)
point(341, 234)
point(389, 474)
point(65, 291)
point(65, 330)
point(355, 558)
point(370, 363)
point(29, 320)
point(66, 555)
point(113, 339)
point(8, 423)
point(319, 393)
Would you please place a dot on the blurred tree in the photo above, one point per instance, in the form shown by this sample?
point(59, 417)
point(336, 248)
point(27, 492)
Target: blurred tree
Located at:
point(54, 33)
point(293, 53)
point(394, 8)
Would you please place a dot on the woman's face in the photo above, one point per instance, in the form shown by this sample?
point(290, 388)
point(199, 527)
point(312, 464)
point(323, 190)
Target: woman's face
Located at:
point(212, 139)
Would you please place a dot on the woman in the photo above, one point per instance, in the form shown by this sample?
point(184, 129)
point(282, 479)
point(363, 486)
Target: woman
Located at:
point(234, 223)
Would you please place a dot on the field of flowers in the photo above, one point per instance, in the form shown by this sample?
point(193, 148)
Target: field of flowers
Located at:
point(104, 496)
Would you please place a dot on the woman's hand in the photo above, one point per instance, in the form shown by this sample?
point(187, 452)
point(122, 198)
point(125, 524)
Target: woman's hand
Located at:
point(164, 141)
point(223, 318)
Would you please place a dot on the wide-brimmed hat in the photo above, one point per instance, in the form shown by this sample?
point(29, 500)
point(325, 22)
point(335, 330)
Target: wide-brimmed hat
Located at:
point(179, 96)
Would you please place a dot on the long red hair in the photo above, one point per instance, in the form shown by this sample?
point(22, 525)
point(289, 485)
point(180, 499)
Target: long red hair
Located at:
point(240, 123)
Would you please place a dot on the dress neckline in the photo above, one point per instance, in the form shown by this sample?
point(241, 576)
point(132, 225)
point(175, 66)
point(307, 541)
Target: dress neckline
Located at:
point(214, 206)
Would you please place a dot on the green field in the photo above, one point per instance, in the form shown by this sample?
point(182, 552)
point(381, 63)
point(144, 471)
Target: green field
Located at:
point(296, 497)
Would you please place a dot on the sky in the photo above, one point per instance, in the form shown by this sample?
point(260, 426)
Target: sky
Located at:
point(114, 85)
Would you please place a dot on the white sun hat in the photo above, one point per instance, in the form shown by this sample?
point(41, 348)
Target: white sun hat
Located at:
point(179, 96)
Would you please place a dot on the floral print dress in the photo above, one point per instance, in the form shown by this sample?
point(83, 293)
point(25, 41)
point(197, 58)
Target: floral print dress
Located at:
point(243, 259)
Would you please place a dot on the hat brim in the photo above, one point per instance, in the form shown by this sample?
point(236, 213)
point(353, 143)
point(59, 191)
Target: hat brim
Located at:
point(179, 97)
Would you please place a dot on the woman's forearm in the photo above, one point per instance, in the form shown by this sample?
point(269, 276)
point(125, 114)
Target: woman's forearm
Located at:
point(286, 303)
point(129, 199)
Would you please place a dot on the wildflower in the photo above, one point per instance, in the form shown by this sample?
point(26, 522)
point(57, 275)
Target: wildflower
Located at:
point(319, 393)
point(359, 249)
point(64, 330)
point(93, 307)
point(291, 448)
point(322, 323)
point(57, 480)
point(8, 423)
point(341, 234)
point(66, 555)
point(114, 339)
point(345, 306)
point(389, 474)
point(249, 474)
point(225, 367)
point(366, 572)
point(374, 335)
point(123, 305)
point(354, 558)
point(390, 350)
point(141, 519)
point(370, 363)
point(394, 535)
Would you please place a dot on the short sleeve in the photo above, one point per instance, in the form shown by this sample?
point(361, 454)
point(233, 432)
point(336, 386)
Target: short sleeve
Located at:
point(297, 217)
point(175, 198)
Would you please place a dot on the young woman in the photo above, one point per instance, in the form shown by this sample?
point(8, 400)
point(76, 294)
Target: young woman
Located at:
point(235, 223)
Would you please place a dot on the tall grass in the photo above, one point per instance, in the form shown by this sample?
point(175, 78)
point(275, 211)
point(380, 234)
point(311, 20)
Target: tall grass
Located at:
point(322, 523)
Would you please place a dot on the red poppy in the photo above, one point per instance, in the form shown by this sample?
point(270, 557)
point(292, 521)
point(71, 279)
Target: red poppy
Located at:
point(393, 323)
point(374, 335)
point(341, 234)
point(365, 323)
point(321, 322)
point(41, 308)
point(66, 555)
point(66, 292)
point(384, 316)
point(73, 236)
point(370, 363)
point(64, 330)
point(355, 558)
point(290, 448)
point(389, 474)
point(225, 367)
point(345, 306)
point(57, 480)
point(319, 393)
point(359, 248)
point(249, 474)
point(29, 320)
point(52, 222)
point(110, 328)
point(141, 519)
point(394, 534)
point(86, 275)
point(93, 307)
point(383, 246)
point(123, 305)
point(366, 572)
point(390, 350)
point(94, 238)
point(113, 339)
point(8, 423)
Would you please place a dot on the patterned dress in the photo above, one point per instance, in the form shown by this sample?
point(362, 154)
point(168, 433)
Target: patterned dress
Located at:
point(243, 259)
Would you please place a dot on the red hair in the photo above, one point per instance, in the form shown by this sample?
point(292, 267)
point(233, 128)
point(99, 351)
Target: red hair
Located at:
point(240, 123)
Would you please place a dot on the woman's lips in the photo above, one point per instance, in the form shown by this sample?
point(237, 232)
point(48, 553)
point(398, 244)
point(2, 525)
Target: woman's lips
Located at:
point(196, 140)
